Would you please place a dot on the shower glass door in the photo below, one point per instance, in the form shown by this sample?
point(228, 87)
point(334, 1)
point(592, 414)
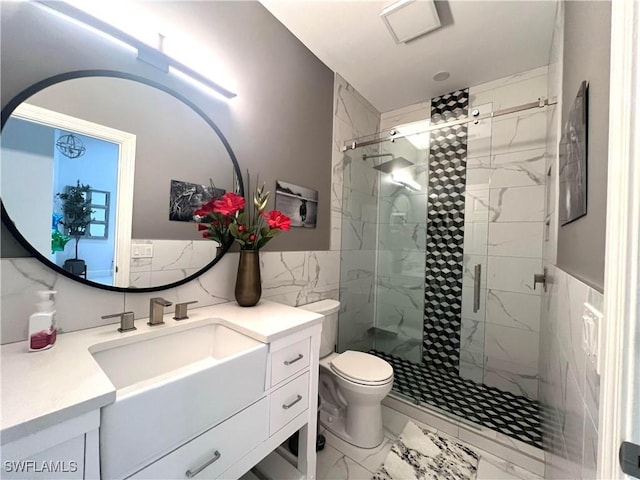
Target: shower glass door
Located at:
point(401, 243)
point(441, 235)
point(406, 243)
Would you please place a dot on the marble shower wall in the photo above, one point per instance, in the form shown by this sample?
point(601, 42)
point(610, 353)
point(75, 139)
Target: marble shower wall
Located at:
point(504, 233)
point(569, 385)
point(354, 216)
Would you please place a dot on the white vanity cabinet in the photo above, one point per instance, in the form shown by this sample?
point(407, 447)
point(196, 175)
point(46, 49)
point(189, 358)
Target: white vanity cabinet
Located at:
point(50, 434)
point(293, 392)
point(232, 447)
point(68, 450)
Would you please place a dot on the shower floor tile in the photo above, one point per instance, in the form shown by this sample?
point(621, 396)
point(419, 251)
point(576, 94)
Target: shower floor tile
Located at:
point(515, 416)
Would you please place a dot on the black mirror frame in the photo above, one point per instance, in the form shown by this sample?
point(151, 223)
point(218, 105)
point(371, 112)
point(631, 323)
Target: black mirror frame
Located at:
point(35, 88)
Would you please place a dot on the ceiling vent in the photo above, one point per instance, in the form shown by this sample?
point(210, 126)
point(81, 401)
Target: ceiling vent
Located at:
point(409, 19)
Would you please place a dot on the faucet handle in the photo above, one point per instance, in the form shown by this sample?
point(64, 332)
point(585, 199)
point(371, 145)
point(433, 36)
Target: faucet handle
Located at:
point(126, 321)
point(181, 310)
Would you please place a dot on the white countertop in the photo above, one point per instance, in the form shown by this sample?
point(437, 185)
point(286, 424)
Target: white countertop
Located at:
point(41, 389)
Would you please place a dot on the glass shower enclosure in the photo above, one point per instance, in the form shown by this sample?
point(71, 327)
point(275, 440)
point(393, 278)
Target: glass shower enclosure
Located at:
point(415, 263)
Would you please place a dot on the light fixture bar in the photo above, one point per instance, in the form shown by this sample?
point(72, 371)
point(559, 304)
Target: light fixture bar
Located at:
point(146, 53)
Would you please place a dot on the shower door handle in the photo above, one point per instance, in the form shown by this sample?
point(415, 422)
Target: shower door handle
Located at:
point(477, 274)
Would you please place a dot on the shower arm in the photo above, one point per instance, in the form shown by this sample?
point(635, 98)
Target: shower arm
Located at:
point(475, 118)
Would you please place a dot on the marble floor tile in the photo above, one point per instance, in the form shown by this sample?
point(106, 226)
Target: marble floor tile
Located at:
point(326, 460)
point(347, 469)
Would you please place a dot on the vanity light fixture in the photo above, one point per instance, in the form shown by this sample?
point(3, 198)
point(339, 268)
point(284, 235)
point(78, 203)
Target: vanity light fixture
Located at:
point(146, 53)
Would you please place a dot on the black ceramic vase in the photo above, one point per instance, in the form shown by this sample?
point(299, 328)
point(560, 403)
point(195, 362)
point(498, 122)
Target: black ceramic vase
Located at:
point(248, 283)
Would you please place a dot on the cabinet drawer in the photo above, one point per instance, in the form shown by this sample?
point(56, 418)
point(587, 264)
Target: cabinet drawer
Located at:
point(288, 402)
point(226, 443)
point(289, 360)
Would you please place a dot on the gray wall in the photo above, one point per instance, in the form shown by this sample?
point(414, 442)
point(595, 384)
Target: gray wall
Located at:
point(587, 39)
point(279, 126)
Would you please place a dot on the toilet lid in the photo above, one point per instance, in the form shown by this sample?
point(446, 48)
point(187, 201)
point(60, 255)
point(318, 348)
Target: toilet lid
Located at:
point(362, 367)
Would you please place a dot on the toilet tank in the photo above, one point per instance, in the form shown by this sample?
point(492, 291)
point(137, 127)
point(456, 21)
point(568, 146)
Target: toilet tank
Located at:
point(328, 308)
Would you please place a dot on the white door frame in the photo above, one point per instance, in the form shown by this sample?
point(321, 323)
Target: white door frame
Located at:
point(126, 168)
point(619, 417)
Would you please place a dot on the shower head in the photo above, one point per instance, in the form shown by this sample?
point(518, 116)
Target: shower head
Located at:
point(393, 164)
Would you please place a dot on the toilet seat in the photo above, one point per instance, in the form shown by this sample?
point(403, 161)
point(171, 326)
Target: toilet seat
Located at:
point(362, 368)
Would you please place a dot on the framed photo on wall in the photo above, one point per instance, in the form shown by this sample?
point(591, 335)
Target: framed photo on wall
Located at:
point(185, 198)
point(298, 203)
point(572, 173)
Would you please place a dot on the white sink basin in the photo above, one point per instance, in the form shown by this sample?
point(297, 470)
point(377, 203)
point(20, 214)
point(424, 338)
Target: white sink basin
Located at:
point(167, 354)
point(172, 385)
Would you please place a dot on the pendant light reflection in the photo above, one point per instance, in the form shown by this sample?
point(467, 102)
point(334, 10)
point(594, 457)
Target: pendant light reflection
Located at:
point(70, 146)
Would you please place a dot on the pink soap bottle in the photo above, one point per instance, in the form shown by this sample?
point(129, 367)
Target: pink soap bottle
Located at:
point(42, 324)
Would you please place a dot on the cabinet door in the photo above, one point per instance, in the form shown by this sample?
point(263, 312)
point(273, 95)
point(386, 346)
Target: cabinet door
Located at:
point(64, 461)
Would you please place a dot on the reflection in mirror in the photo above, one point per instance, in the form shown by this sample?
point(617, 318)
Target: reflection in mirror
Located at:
point(144, 161)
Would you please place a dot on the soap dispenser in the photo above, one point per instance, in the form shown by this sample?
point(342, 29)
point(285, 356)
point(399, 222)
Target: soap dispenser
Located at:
point(42, 324)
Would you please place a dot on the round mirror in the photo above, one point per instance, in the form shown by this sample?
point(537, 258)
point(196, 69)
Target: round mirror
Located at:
point(101, 173)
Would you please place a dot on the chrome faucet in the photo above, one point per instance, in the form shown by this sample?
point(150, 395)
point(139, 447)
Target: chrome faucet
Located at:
point(156, 310)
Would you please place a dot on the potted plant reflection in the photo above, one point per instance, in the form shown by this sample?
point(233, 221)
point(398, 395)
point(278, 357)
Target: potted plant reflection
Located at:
point(77, 217)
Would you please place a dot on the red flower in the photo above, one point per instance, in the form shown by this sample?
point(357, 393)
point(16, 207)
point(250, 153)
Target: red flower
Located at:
point(205, 234)
point(205, 209)
point(252, 238)
point(229, 204)
point(203, 226)
point(241, 228)
point(277, 219)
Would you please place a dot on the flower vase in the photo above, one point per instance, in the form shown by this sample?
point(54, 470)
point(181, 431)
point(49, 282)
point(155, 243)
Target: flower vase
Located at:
point(248, 283)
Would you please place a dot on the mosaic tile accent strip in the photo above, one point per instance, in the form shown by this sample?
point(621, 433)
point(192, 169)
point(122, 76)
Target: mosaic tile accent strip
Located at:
point(445, 233)
point(450, 106)
point(504, 412)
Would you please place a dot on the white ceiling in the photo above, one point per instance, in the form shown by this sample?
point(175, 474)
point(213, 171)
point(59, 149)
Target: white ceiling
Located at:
point(479, 41)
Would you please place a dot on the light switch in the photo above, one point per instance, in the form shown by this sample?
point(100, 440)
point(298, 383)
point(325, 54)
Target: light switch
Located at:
point(141, 250)
point(592, 334)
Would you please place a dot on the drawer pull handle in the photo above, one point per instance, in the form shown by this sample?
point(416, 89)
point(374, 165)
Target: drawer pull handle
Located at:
point(289, 362)
point(287, 407)
point(191, 474)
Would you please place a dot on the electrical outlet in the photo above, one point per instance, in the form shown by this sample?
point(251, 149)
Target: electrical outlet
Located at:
point(592, 334)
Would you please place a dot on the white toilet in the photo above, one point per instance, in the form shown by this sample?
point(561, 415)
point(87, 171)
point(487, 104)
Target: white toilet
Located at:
point(352, 385)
